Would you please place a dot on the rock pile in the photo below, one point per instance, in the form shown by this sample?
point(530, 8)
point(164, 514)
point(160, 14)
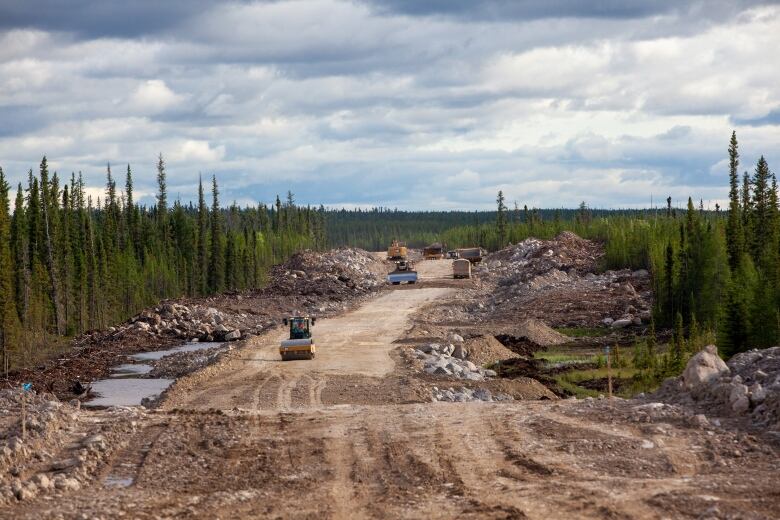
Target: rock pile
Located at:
point(464, 395)
point(746, 388)
point(336, 274)
point(193, 322)
point(180, 364)
point(557, 280)
point(450, 360)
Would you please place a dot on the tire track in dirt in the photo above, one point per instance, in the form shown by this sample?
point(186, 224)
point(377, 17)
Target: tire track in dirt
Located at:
point(125, 466)
point(284, 394)
point(258, 391)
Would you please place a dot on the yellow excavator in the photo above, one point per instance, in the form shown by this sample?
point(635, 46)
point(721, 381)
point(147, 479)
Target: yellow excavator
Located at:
point(397, 251)
point(301, 344)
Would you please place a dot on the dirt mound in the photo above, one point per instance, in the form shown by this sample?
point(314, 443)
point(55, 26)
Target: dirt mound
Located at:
point(486, 349)
point(538, 332)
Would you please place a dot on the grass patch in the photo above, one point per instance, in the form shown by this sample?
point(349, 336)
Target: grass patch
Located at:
point(584, 332)
point(560, 357)
point(571, 381)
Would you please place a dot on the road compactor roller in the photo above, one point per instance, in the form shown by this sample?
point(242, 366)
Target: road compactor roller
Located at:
point(301, 344)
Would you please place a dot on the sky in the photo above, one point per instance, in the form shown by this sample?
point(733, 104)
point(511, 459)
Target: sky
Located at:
point(395, 103)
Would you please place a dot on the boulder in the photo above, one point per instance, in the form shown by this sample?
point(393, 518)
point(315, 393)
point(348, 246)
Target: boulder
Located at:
point(459, 352)
point(703, 367)
point(233, 335)
point(622, 323)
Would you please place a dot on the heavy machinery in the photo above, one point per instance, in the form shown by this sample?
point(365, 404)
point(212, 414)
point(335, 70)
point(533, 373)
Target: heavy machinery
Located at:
point(472, 254)
point(461, 268)
point(403, 273)
point(434, 251)
point(301, 344)
point(397, 251)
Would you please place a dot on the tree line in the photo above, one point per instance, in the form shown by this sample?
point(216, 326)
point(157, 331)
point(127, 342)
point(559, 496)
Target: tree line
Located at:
point(70, 264)
point(716, 273)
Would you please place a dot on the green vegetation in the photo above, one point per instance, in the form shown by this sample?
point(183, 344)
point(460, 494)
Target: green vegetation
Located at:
point(69, 263)
point(713, 271)
point(584, 332)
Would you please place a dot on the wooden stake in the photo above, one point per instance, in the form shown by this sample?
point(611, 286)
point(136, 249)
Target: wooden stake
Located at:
point(24, 417)
point(609, 373)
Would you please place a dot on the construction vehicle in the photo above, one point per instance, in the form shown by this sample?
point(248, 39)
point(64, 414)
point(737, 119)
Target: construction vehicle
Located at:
point(403, 273)
point(461, 268)
point(452, 254)
point(397, 251)
point(472, 254)
point(301, 344)
point(434, 252)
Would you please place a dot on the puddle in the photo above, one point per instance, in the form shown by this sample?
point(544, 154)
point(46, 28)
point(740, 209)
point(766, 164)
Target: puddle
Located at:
point(159, 354)
point(130, 370)
point(126, 391)
point(126, 387)
point(117, 482)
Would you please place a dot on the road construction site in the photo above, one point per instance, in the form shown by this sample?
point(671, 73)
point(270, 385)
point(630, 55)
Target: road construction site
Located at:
point(401, 414)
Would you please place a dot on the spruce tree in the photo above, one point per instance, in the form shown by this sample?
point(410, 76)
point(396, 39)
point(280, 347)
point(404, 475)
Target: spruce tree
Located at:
point(501, 224)
point(216, 260)
point(8, 315)
point(203, 222)
point(735, 237)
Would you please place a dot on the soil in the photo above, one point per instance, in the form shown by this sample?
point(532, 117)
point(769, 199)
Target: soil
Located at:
point(354, 434)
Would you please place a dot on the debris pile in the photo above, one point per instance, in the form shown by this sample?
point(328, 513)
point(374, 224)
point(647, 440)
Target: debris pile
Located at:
point(746, 389)
point(193, 322)
point(335, 274)
point(450, 360)
point(558, 281)
point(180, 364)
point(464, 395)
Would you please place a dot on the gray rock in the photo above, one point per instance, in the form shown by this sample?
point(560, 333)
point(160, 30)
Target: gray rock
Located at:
point(59, 465)
point(459, 352)
point(442, 371)
point(607, 321)
point(427, 348)
point(703, 368)
point(471, 366)
point(622, 323)
point(758, 393)
point(490, 373)
point(233, 335)
point(456, 338)
point(483, 394)
point(741, 404)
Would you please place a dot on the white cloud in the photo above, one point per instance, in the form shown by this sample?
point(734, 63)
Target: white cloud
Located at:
point(154, 96)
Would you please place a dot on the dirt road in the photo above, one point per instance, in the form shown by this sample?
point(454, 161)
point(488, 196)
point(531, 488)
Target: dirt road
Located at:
point(350, 435)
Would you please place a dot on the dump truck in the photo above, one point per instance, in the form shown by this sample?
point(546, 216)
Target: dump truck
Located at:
point(403, 273)
point(461, 268)
point(434, 252)
point(397, 251)
point(472, 254)
point(452, 254)
point(300, 345)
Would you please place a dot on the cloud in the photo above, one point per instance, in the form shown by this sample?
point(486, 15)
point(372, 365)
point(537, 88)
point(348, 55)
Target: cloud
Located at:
point(154, 96)
point(393, 102)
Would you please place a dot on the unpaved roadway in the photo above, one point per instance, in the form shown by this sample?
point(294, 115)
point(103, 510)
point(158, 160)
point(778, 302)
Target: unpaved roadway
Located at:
point(350, 435)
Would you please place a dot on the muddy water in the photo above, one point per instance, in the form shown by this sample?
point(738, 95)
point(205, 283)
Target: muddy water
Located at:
point(127, 387)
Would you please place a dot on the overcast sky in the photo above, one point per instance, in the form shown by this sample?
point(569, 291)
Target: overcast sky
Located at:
point(432, 104)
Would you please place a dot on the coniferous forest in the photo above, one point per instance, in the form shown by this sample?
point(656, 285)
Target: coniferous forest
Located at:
point(69, 263)
point(715, 271)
